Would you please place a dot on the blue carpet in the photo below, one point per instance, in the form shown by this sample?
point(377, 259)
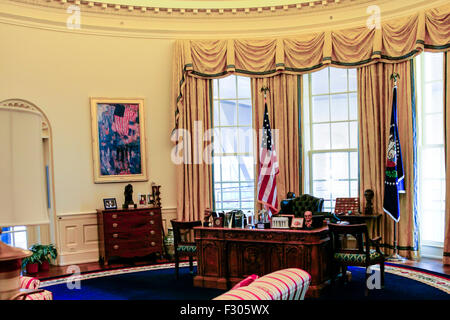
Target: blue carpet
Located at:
point(162, 285)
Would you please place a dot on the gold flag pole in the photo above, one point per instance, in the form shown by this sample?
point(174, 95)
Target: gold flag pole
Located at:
point(395, 257)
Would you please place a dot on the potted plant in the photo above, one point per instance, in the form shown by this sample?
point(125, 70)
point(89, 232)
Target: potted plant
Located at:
point(45, 254)
point(31, 263)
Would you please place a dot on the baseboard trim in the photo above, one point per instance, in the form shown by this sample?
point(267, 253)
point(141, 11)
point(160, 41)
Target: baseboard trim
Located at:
point(66, 259)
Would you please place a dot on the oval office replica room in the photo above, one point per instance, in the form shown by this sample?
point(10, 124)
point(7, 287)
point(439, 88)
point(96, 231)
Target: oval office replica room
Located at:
point(197, 152)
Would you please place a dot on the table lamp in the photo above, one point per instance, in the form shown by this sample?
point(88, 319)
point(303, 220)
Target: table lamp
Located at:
point(22, 187)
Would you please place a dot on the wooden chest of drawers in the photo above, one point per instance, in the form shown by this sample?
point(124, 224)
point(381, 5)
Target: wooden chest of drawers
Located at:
point(129, 233)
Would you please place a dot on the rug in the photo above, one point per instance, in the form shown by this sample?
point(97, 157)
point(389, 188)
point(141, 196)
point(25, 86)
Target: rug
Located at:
point(158, 282)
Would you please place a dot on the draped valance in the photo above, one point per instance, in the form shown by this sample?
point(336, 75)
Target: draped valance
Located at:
point(394, 41)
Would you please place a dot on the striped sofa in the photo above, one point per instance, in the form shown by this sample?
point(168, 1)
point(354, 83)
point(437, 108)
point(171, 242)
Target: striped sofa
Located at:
point(286, 284)
point(33, 283)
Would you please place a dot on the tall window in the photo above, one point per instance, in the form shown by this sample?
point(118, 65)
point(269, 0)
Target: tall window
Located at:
point(331, 134)
point(15, 236)
point(233, 160)
point(430, 94)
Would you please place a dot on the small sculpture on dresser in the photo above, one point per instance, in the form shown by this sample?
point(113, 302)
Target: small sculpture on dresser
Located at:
point(368, 194)
point(129, 197)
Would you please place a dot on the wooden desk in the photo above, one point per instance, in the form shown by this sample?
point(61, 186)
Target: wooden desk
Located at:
point(226, 256)
point(375, 220)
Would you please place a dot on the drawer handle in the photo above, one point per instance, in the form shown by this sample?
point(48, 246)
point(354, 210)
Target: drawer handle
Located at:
point(152, 213)
point(114, 225)
point(114, 216)
point(152, 222)
point(152, 232)
point(153, 244)
point(116, 247)
point(115, 235)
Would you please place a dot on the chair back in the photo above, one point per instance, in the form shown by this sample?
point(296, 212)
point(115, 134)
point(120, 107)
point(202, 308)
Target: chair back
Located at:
point(358, 231)
point(306, 202)
point(182, 231)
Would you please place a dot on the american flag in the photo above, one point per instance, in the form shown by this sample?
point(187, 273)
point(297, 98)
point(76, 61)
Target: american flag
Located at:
point(268, 170)
point(123, 115)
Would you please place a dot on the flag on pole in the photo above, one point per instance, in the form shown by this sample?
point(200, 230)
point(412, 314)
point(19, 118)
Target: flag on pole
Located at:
point(268, 169)
point(394, 175)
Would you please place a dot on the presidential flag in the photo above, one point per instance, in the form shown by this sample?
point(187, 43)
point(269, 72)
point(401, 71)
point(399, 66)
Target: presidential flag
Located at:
point(394, 175)
point(268, 170)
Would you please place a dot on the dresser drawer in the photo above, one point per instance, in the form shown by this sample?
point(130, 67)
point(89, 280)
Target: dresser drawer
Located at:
point(119, 246)
point(144, 233)
point(133, 223)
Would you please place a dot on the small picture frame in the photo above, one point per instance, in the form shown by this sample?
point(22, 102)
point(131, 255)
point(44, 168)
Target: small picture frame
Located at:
point(110, 203)
point(150, 199)
point(142, 199)
point(297, 223)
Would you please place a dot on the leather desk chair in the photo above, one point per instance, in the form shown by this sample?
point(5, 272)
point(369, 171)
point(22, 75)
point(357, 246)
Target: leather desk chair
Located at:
point(306, 202)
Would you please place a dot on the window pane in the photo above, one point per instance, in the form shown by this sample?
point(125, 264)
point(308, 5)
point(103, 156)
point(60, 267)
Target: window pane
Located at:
point(245, 112)
point(228, 140)
point(228, 113)
point(321, 136)
point(434, 100)
point(321, 111)
point(319, 82)
point(433, 163)
point(230, 169)
point(216, 113)
point(352, 80)
point(215, 88)
point(433, 64)
point(227, 87)
point(244, 90)
point(354, 189)
point(354, 165)
point(339, 107)
point(245, 140)
point(338, 80)
point(340, 189)
point(353, 103)
point(321, 166)
point(321, 189)
point(339, 135)
point(246, 167)
point(339, 165)
point(354, 134)
point(217, 168)
point(434, 129)
point(20, 239)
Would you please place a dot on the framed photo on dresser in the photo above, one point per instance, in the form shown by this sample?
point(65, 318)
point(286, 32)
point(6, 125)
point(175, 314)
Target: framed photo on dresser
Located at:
point(118, 140)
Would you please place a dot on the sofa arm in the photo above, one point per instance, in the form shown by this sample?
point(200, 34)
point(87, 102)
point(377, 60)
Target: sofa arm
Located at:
point(286, 284)
point(29, 283)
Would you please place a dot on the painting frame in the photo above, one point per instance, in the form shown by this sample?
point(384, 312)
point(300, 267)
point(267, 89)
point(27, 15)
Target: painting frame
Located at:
point(102, 168)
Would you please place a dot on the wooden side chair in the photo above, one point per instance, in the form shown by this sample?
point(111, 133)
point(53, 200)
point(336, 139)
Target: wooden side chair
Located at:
point(184, 245)
point(361, 255)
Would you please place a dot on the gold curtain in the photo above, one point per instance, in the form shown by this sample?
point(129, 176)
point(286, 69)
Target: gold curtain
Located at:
point(375, 107)
point(395, 41)
point(194, 169)
point(283, 109)
point(446, 258)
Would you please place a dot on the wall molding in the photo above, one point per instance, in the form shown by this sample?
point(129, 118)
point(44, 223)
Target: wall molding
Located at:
point(52, 15)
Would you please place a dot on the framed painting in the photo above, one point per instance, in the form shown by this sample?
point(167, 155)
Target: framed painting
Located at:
point(118, 140)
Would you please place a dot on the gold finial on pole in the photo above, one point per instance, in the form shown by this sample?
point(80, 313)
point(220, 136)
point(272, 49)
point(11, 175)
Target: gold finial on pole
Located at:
point(265, 89)
point(394, 77)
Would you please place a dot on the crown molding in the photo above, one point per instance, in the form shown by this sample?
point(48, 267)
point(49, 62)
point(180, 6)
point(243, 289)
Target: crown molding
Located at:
point(52, 15)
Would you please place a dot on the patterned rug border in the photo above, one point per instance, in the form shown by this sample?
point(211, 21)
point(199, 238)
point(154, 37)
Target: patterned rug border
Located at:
point(434, 280)
point(106, 273)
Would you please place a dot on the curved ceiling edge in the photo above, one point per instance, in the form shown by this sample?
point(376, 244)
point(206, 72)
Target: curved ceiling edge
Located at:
point(240, 26)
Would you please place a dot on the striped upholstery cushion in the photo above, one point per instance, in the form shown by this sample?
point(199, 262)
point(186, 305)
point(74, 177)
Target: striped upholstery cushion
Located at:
point(286, 284)
point(44, 295)
point(29, 283)
point(33, 283)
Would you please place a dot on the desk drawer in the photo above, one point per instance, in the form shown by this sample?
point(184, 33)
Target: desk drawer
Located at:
point(133, 223)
